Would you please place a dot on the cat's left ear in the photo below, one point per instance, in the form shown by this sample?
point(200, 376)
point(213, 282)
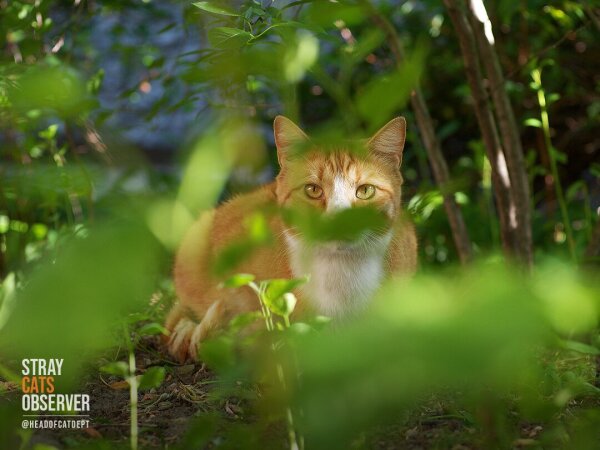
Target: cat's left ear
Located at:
point(287, 135)
point(388, 142)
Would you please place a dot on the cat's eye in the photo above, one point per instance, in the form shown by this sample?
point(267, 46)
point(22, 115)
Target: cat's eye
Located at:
point(365, 191)
point(313, 191)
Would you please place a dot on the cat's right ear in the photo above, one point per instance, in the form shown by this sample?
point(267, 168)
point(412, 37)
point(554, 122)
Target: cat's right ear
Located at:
point(287, 135)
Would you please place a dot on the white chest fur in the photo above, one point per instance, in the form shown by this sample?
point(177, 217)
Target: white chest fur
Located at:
point(340, 282)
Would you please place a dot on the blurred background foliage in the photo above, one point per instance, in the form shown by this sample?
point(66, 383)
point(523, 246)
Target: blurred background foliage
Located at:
point(122, 120)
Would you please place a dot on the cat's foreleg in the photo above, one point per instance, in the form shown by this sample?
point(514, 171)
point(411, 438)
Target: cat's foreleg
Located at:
point(213, 319)
point(179, 340)
point(187, 334)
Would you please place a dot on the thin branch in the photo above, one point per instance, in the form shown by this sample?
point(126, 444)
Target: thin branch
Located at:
point(430, 142)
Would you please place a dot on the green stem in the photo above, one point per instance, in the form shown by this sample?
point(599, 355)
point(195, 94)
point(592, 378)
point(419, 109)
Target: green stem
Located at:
point(260, 292)
point(133, 392)
point(537, 78)
point(133, 397)
point(587, 212)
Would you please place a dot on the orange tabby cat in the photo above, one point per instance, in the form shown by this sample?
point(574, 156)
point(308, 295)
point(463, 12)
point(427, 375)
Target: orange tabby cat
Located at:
point(343, 275)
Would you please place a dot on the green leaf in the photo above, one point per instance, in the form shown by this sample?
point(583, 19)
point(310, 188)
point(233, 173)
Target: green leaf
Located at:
point(228, 38)
point(152, 378)
point(7, 297)
point(300, 328)
point(49, 132)
point(367, 43)
point(243, 320)
point(277, 287)
point(44, 447)
point(279, 297)
point(238, 280)
point(214, 9)
point(320, 322)
point(116, 368)
point(152, 329)
point(552, 98)
point(574, 189)
point(558, 155)
point(4, 224)
point(580, 347)
point(533, 122)
point(218, 353)
point(385, 94)
point(282, 306)
point(348, 225)
point(328, 13)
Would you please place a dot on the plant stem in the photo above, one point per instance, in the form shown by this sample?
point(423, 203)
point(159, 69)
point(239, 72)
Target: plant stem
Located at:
point(133, 392)
point(295, 443)
point(536, 74)
point(133, 397)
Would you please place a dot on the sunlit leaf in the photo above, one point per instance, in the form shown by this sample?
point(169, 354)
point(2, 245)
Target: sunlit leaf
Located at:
point(278, 287)
point(214, 9)
point(238, 280)
point(533, 122)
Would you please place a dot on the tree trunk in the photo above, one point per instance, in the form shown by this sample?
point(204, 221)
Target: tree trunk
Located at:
point(509, 132)
point(503, 148)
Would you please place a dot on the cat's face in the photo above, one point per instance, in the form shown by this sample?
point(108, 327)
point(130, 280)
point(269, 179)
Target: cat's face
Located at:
point(335, 180)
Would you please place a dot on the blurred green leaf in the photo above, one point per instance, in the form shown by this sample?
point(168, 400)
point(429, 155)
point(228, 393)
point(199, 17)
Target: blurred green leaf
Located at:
point(579, 347)
point(532, 122)
point(151, 329)
point(346, 225)
point(431, 334)
point(278, 287)
point(385, 94)
point(227, 38)
point(91, 284)
point(215, 9)
point(242, 320)
point(218, 353)
point(257, 235)
point(59, 88)
point(151, 378)
point(283, 305)
point(49, 133)
point(238, 280)
point(116, 368)
point(326, 13)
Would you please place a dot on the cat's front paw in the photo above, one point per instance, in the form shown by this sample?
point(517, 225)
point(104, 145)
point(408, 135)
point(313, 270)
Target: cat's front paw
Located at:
point(180, 338)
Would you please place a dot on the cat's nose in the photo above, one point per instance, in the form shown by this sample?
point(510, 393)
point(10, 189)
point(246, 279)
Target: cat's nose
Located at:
point(339, 198)
point(338, 203)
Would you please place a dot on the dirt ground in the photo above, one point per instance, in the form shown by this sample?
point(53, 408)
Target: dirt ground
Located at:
point(188, 391)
